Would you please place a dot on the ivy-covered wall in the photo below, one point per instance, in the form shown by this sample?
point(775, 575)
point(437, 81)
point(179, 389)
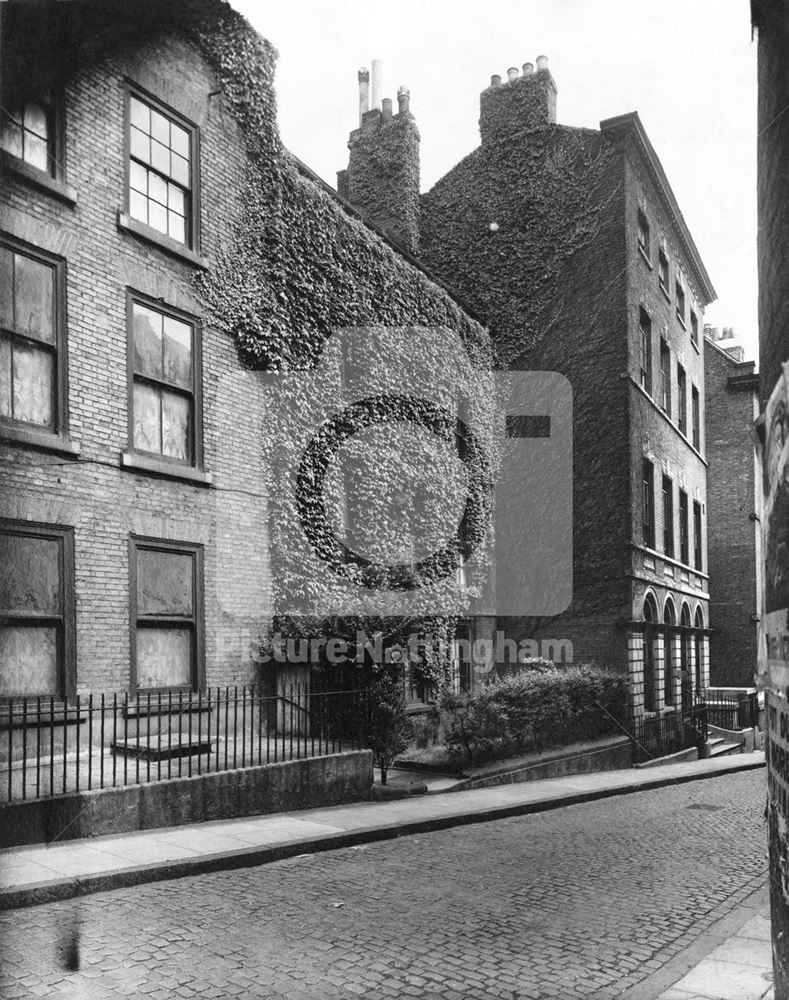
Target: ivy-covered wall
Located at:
point(529, 230)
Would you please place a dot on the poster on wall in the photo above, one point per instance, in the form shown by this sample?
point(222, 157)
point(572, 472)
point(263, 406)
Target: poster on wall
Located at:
point(774, 660)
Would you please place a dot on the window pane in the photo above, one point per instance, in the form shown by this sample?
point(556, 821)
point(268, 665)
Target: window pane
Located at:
point(147, 340)
point(6, 287)
point(160, 157)
point(138, 177)
point(140, 145)
point(176, 227)
point(34, 298)
point(36, 151)
point(157, 216)
point(11, 138)
point(176, 199)
point(138, 206)
point(28, 661)
point(5, 378)
point(164, 583)
point(147, 419)
point(180, 170)
point(30, 580)
point(175, 426)
point(163, 657)
point(160, 127)
point(179, 140)
point(177, 352)
point(140, 114)
point(36, 119)
point(157, 189)
point(33, 377)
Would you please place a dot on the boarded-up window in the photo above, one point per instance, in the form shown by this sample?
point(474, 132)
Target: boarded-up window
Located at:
point(28, 338)
point(35, 603)
point(163, 383)
point(165, 597)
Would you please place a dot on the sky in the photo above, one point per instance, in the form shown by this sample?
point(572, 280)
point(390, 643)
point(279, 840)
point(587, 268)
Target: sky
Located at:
point(687, 66)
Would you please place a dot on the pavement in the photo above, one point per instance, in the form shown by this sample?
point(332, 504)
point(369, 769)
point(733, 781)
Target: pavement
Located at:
point(733, 963)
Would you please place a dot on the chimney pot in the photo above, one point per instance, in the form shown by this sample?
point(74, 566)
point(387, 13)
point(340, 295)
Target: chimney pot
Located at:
point(495, 80)
point(377, 84)
point(403, 99)
point(386, 107)
point(528, 69)
point(512, 74)
point(542, 63)
point(364, 92)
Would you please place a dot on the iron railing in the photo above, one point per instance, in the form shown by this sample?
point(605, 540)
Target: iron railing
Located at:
point(52, 747)
point(732, 710)
point(656, 736)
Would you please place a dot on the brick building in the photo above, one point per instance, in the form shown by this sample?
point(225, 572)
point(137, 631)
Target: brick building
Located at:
point(734, 509)
point(139, 151)
point(570, 244)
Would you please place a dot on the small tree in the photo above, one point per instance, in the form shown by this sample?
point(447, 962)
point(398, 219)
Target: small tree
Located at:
point(387, 728)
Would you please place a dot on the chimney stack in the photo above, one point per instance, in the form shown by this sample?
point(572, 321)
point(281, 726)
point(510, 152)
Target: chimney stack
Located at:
point(382, 178)
point(521, 104)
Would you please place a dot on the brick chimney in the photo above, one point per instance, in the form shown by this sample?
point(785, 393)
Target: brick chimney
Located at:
point(382, 179)
point(523, 102)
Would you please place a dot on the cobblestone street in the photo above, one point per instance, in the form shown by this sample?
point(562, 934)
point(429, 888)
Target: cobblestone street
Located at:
point(586, 900)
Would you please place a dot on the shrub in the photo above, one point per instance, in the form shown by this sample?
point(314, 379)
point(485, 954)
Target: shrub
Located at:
point(534, 710)
point(387, 728)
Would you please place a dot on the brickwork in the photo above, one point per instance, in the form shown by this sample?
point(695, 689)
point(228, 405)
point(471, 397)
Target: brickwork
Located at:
point(539, 282)
point(734, 544)
point(91, 489)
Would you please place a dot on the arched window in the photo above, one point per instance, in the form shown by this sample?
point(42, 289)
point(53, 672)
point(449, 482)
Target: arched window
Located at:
point(698, 625)
point(669, 620)
point(650, 619)
point(685, 641)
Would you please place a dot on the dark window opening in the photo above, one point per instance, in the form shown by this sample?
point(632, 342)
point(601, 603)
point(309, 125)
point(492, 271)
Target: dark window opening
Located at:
point(668, 516)
point(645, 327)
point(648, 514)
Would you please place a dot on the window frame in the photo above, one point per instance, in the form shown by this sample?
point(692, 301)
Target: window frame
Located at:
point(664, 285)
point(668, 516)
point(695, 417)
point(694, 329)
point(56, 146)
point(679, 293)
point(697, 537)
point(682, 399)
point(665, 377)
point(645, 335)
point(196, 623)
point(684, 548)
point(644, 228)
point(11, 428)
point(158, 306)
point(65, 623)
point(192, 218)
point(648, 503)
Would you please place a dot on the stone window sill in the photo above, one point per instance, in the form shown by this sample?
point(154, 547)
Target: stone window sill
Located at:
point(161, 467)
point(41, 440)
point(166, 243)
point(43, 181)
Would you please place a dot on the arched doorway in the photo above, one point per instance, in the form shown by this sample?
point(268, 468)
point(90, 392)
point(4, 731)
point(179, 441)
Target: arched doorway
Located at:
point(698, 640)
point(669, 620)
point(650, 620)
point(685, 640)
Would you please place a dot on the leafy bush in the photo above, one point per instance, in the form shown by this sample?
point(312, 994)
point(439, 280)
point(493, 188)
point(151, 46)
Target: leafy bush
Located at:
point(387, 728)
point(534, 710)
